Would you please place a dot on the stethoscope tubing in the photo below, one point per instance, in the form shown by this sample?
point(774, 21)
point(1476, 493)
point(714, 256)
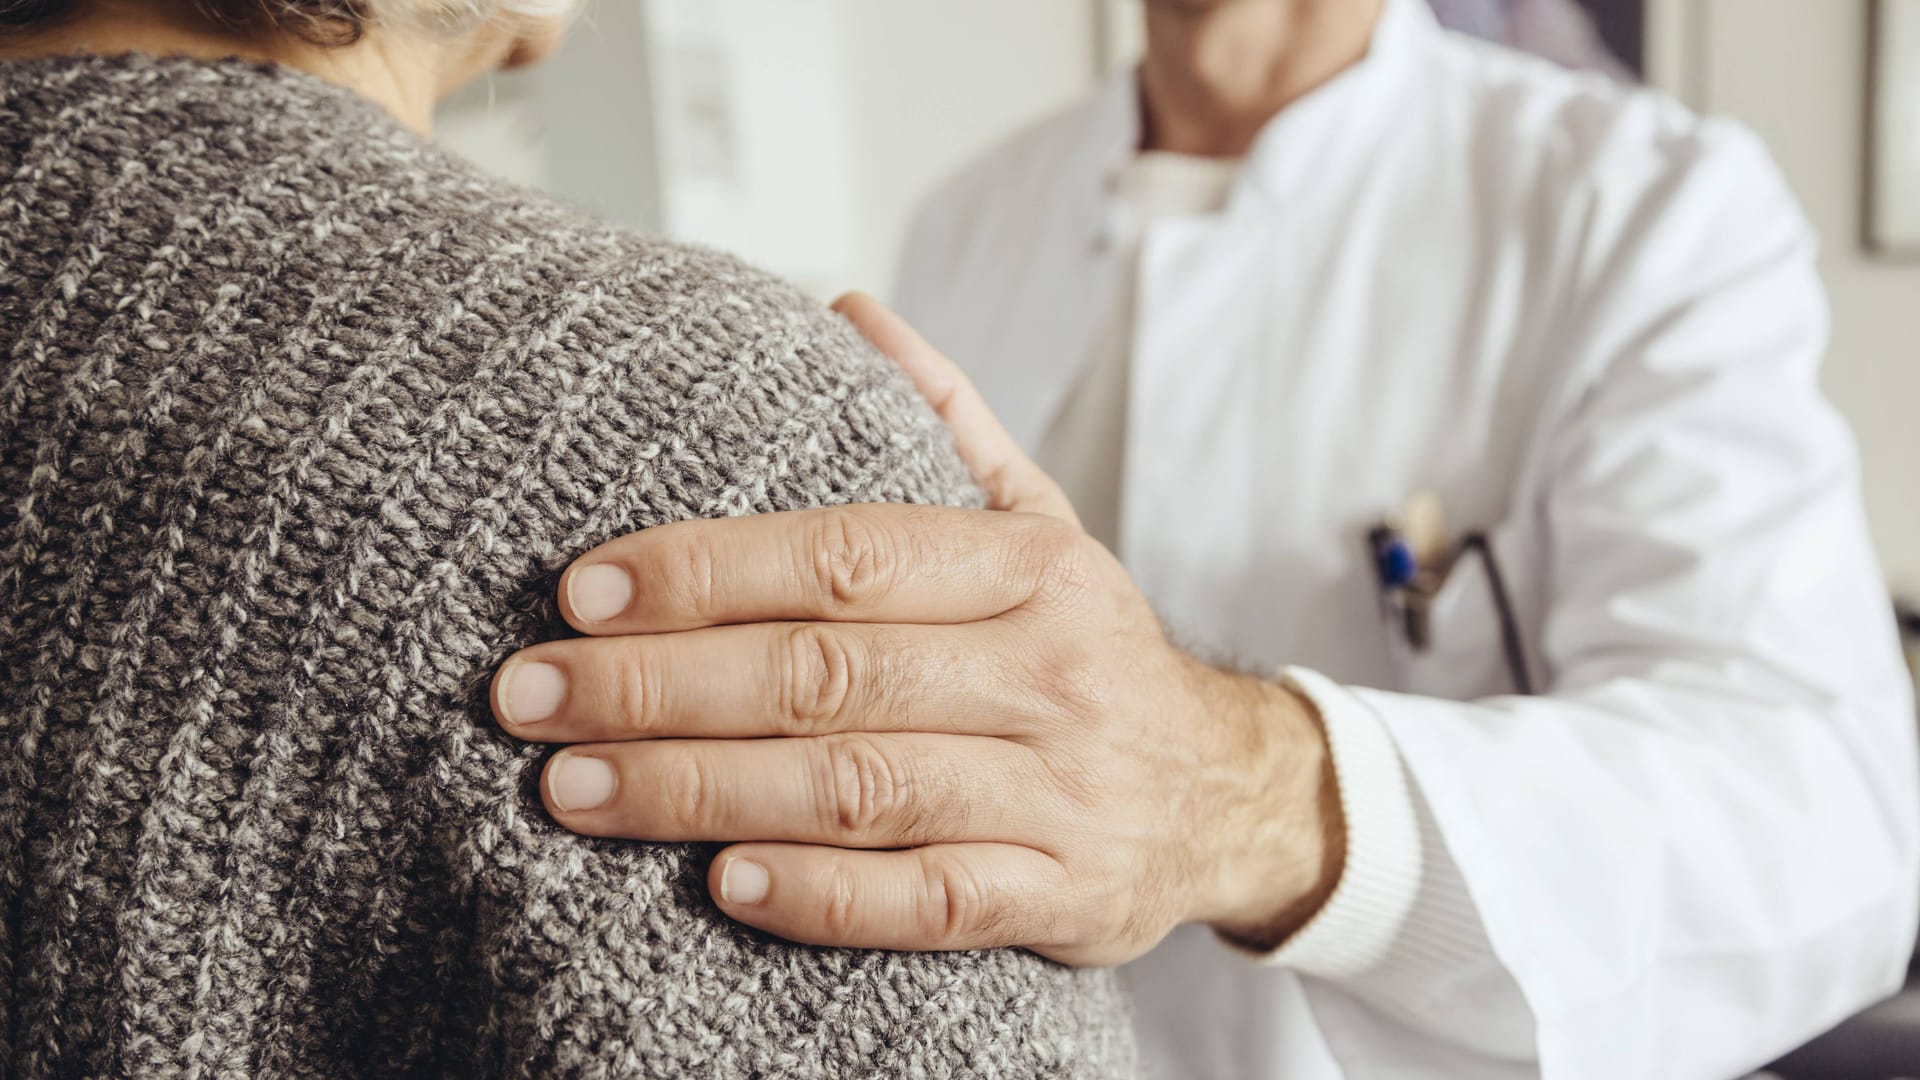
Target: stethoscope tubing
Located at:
point(1396, 571)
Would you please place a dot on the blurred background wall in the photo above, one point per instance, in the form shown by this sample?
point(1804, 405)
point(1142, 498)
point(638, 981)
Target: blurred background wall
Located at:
point(1795, 71)
point(660, 115)
point(922, 86)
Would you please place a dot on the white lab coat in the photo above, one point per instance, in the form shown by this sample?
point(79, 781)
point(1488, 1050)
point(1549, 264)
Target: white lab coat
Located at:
point(1591, 323)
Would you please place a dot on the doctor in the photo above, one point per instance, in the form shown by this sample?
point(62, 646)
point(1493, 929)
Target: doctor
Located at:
point(1315, 257)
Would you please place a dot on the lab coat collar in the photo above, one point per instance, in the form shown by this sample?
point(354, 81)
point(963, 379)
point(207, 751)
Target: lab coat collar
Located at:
point(1312, 142)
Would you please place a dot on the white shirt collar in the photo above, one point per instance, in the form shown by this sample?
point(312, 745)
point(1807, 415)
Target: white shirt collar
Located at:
point(1314, 141)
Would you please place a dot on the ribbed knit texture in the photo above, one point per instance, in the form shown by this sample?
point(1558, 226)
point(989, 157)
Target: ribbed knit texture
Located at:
point(300, 419)
point(1359, 927)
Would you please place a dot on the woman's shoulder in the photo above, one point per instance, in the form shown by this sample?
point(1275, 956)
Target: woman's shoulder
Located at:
point(755, 394)
point(259, 252)
point(301, 428)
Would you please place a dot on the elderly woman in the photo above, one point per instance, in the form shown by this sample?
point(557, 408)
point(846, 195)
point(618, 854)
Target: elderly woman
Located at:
point(300, 417)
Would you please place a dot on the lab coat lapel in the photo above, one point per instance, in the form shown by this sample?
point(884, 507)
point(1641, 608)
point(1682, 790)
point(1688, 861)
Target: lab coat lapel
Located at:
point(1224, 319)
point(1310, 154)
point(1055, 301)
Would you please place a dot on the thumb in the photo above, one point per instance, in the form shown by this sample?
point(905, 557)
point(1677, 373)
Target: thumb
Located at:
point(1011, 479)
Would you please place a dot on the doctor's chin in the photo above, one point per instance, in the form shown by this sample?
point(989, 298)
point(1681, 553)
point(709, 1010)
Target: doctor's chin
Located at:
point(1091, 539)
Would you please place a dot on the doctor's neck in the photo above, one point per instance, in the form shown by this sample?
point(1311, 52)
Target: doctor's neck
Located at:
point(1217, 70)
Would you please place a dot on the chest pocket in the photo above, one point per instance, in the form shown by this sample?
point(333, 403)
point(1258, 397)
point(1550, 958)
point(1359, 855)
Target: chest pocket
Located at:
point(1466, 655)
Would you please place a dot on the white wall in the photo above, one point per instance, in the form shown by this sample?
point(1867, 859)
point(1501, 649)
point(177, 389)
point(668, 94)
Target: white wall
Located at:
point(754, 131)
point(933, 83)
point(926, 86)
point(578, 125)
point(1794, 70)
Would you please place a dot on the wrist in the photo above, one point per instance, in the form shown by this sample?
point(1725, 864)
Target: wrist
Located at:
point(1284, 848)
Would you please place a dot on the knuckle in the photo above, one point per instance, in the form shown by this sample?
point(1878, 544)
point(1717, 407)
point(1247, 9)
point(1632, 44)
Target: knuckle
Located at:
point(853, 559)
point(687, 791)
point(1049, 541)
point(1077, 676)
point(997, 482)
point(868, 790)
point(698, 583)
point(840, 903)
point(1060, 563)
point(639, 712)
point(1085, 785)
point(816, 679)
point(957, 905)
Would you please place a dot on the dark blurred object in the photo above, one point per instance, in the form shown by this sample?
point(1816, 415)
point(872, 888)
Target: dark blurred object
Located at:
point(1590, 35)
point(1879, 1044)
point(1909, 615)
point(1623, 26)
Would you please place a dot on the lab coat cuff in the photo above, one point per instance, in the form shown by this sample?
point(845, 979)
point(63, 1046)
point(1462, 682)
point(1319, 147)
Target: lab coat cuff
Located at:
point(1354, 932)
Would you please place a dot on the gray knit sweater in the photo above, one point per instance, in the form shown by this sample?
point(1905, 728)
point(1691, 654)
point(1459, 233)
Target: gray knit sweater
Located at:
point(300, 419)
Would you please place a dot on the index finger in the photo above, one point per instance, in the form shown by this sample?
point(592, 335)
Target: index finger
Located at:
point(1010, 478)
point(865, 563)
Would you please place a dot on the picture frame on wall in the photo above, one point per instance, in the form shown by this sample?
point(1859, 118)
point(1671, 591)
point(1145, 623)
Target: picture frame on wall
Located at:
point(1892, 203)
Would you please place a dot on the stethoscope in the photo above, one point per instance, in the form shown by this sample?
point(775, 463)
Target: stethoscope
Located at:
point(1411, 569)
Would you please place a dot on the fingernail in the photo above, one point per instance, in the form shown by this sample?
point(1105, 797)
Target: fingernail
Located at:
point(531, 692)
point(599, 592)
point(743, 882)
point(579, 783)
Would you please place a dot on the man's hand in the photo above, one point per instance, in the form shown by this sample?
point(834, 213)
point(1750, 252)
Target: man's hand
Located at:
point(932, 728)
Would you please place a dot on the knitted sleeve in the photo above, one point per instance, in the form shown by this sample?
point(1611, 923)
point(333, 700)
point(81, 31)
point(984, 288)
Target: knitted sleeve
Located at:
point(674, 385)
point(299, 420)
